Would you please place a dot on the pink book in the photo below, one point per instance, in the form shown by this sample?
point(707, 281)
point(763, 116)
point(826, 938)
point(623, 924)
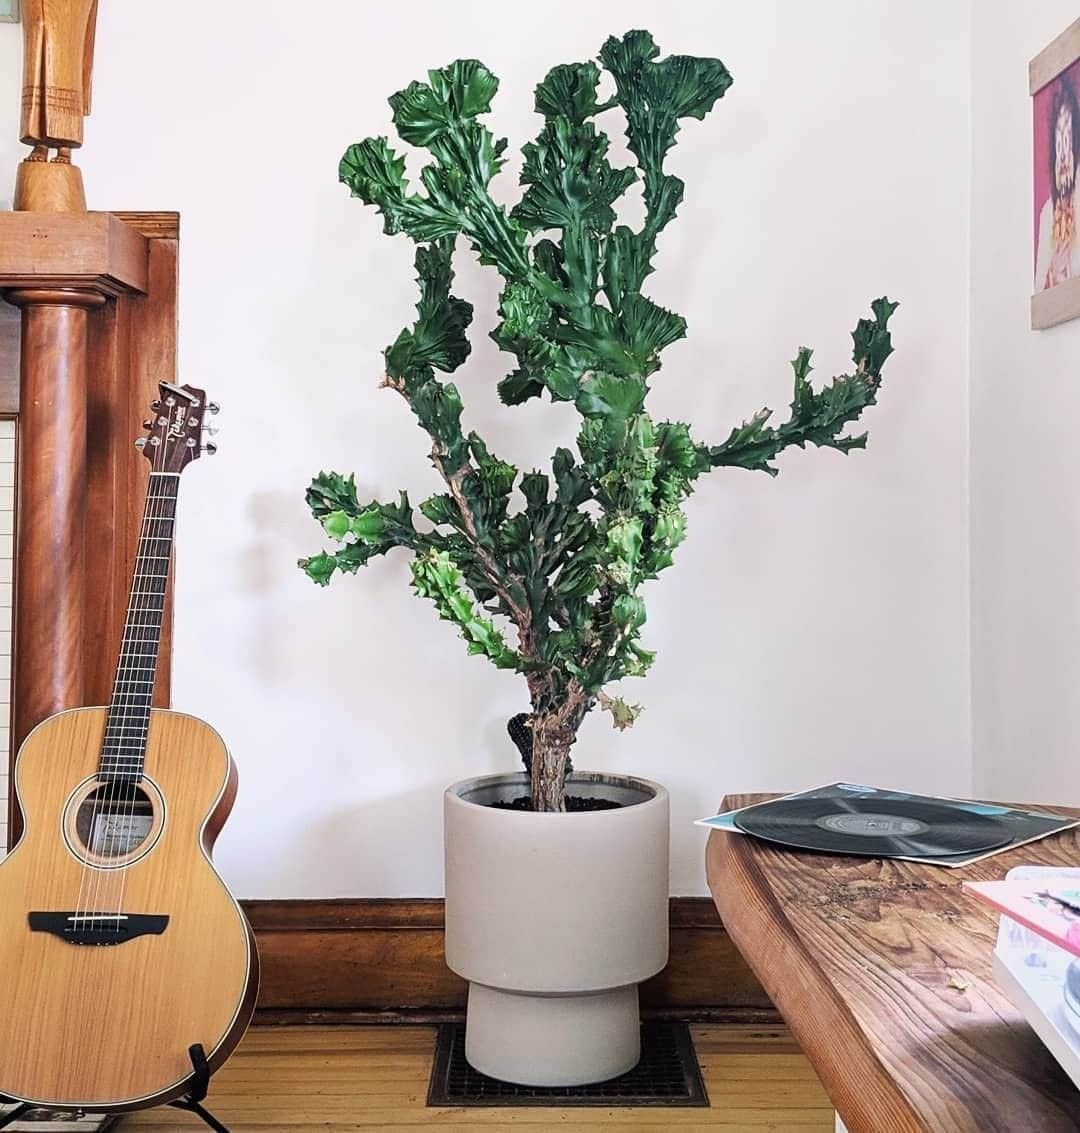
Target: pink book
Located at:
point(1046, 907)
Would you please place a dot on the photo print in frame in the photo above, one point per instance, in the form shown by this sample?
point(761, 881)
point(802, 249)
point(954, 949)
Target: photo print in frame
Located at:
point(1054, 82)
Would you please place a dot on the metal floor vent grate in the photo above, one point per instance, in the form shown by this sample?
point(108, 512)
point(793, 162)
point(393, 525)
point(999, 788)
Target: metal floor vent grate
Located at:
point(45, 1121)
point(667, 1075)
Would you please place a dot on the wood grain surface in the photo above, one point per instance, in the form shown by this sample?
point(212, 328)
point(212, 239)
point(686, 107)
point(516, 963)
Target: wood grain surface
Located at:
point(132, 348)
point(1054, 58)
point(58, 62)
point(99, 1027)
point(50, 533)
point(352, 1079)
point(882, 970)
point(372, 956)
point(91, 249)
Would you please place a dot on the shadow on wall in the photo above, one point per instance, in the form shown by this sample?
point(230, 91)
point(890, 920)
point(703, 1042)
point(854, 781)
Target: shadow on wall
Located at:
point(356, 850)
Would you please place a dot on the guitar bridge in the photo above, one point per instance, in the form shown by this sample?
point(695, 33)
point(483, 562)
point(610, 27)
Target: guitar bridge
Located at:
point(98, 928)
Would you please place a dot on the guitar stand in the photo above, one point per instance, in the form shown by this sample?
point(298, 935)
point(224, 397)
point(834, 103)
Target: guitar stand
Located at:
point(200, 1084)
point(191, 1102)
point(19, 1111)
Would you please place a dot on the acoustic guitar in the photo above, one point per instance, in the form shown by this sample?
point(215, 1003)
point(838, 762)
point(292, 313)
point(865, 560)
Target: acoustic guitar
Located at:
point(120, 946)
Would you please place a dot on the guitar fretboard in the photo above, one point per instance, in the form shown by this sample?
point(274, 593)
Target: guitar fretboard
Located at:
point(124, 750)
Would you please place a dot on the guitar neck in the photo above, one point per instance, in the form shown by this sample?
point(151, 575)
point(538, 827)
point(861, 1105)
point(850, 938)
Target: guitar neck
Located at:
point(124, 750)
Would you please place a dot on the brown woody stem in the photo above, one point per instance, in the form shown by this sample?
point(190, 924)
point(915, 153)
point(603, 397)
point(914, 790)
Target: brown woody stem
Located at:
point(554, 729)
point(521, 615)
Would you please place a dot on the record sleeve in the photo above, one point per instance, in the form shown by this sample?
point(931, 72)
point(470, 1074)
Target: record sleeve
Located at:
point(1036, 970)
point(1017, 826)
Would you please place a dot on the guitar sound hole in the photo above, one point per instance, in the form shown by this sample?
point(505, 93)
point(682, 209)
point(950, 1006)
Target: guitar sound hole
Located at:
point(114, 820)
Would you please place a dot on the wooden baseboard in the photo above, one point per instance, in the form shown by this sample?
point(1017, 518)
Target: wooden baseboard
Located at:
point(363, 960)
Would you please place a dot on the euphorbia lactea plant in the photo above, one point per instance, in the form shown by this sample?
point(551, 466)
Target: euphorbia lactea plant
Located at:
point(541, 572)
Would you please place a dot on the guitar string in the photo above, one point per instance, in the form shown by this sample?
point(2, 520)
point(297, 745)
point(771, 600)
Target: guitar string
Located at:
point(116, 725)
point(101, 791)
point(144, 674)
point(122, 762)
point(90, 883)
point(126, 763)
point(138, 693)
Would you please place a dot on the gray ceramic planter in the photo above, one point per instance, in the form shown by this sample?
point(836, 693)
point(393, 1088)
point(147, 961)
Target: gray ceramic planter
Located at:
point(554, 919)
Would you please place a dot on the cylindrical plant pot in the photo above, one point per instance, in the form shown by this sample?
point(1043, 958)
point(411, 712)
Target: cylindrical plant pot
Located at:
point(554, 919)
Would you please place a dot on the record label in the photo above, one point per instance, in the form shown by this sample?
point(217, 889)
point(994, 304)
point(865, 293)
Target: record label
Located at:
point(873, 825)
point(908, 829)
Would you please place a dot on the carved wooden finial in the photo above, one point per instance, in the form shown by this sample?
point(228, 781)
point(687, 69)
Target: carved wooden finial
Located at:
point(58, 61)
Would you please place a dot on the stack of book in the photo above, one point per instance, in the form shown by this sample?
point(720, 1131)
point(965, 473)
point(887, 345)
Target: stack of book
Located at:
point(1036, 958)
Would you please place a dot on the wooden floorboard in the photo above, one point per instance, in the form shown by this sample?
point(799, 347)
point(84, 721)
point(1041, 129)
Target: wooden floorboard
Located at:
point(283, 1079)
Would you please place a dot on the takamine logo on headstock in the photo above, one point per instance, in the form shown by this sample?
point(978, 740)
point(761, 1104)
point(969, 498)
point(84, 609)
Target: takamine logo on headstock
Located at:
point(176, 428)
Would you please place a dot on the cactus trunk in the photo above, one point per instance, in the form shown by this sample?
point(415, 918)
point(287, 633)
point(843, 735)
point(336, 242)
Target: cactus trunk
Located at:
point(554, 730)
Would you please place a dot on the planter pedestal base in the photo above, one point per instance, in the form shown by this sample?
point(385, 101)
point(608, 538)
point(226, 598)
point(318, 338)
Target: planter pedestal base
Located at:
point(554, 920)
point(552, 1040)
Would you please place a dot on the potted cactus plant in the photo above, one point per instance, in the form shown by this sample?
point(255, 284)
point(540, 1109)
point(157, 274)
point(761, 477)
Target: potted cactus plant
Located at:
point(556, 880)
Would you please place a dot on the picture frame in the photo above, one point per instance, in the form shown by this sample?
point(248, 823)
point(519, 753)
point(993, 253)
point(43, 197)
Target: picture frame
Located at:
point(1054, 85)
point(9, 11)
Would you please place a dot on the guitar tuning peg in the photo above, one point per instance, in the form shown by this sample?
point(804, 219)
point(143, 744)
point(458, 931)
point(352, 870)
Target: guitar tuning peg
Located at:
point(140, 443)
point(209, 448)
point(155, 405)
point(148, 424)
point(212, 430)
point(213, 407)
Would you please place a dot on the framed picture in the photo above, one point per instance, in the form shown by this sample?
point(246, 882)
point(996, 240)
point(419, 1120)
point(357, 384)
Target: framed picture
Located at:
point(9, 11)
point(1054, 81)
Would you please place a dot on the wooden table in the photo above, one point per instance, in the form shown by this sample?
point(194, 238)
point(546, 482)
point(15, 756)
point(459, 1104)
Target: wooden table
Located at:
point(882, 970)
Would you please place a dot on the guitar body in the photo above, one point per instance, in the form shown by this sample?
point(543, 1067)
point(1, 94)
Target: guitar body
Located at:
point(99, 1014)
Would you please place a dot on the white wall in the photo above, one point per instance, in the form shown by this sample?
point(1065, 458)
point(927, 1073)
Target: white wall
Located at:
point(815, 627)
point(1025, 404)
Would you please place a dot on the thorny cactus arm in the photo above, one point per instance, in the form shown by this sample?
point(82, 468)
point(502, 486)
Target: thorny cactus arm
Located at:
point(571, 189)
point(441, 116)
point(365, 530)
point(816, 418)
point(654, 96)
point(477, 491)
point(436, 577)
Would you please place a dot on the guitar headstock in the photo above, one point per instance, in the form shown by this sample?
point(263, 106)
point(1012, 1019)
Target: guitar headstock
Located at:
point(176, 428)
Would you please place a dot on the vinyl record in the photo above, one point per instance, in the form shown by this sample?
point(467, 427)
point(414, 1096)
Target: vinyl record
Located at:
point(876, 828)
